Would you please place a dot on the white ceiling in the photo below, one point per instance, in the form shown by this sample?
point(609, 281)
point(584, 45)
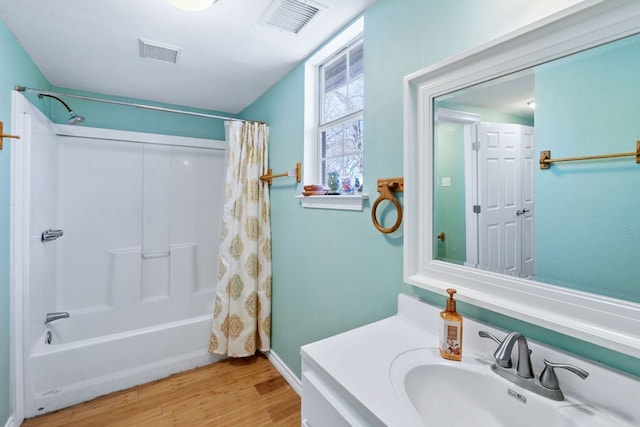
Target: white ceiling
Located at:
point(508, 94)
point(226, 61)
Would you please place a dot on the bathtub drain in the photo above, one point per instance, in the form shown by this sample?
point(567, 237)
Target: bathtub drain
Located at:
point(48, 337)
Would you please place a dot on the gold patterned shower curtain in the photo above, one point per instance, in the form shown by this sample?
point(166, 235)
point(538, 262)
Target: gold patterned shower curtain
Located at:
point(242, 314)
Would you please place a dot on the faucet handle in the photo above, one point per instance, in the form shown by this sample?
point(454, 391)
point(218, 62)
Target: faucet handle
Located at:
point(485, 334)
point(549, 379)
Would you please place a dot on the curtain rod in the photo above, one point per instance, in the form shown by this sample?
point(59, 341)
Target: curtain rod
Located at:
point(128, 104)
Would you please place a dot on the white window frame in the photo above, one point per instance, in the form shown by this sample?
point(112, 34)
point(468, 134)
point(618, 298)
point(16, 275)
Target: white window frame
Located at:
point(311, 169)
point(348, 117)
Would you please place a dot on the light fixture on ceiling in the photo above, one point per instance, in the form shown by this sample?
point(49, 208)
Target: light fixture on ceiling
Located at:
point(192, 5)
point(532, 104)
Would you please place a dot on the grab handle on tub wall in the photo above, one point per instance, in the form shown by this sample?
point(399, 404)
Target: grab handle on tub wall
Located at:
point(387, 186)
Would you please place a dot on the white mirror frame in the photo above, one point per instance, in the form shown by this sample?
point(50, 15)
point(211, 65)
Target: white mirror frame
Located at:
point(608, 322)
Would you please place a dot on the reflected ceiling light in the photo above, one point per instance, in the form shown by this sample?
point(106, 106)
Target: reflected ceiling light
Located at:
point(532, 104)
point(192, 5)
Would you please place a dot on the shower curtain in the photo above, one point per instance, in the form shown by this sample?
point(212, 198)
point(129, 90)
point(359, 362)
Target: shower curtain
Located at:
point(242, 314)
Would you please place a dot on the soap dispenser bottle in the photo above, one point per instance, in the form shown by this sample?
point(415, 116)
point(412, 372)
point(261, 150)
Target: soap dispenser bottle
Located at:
point(451, 330)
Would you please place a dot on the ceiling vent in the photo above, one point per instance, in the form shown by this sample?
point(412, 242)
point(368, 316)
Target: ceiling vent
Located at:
point(159, 51)
point(291, 15)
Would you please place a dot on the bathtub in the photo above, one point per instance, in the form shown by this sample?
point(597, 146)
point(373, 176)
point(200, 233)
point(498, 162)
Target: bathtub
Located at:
point(67, 372)
point(136, 266)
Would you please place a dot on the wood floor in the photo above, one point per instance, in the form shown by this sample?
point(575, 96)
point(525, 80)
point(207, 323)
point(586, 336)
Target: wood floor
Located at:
point(235, 392)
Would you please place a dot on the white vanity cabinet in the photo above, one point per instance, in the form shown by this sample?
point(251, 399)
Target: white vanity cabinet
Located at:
point(345, 378)
point(326, 404)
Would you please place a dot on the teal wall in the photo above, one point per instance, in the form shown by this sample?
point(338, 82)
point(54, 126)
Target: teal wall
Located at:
point(319, 256)
point(577, 235)
point(17, 67)
point(332, 271)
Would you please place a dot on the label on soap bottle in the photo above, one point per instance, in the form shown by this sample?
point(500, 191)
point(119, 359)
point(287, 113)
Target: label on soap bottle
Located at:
point(450, 338)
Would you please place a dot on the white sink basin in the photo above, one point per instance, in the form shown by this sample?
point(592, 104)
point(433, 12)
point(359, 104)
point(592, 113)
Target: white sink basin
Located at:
point(468, 393)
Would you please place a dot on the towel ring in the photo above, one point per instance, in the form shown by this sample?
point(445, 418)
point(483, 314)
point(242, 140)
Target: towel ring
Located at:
point(386, 186)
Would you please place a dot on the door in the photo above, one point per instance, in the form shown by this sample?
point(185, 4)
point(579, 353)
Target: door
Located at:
point(505, 195)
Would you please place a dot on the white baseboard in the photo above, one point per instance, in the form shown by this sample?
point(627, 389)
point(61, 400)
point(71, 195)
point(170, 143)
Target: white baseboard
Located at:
point(284, 370)
point(10, 423)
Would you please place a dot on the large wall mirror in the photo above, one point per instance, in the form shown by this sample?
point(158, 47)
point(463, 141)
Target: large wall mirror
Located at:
point(557, 245)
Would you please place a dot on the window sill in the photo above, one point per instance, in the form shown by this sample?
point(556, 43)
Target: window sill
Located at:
point(344, 202)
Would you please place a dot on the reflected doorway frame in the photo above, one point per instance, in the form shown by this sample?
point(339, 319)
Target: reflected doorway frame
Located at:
point(470, 122)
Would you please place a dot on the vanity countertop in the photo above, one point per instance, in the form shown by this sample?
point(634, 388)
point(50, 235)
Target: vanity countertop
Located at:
point(359, 359)
point(358, 362)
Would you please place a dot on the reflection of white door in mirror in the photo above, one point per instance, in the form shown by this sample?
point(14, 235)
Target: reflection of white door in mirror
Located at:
point(505, 217)
point(487, 210)
point(605, 312)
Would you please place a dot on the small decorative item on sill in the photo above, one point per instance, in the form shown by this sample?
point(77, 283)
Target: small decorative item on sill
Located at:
point(357, 183)
point(346, 187)
point(333, 183)
point(314, 190)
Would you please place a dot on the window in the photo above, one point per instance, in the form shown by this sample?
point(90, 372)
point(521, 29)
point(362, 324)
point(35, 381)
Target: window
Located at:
point(333, 118)
point(340, 117)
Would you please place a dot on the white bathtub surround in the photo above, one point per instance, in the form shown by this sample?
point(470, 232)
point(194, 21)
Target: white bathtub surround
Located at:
point(346, 379)
point(242, 314)
point(141, 220)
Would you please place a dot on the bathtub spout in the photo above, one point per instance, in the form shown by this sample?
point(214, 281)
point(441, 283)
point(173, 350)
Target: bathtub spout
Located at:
point(50, 317)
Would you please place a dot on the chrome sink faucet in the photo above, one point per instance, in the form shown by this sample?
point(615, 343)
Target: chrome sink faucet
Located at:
point(503, 354)
point(523, 376)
